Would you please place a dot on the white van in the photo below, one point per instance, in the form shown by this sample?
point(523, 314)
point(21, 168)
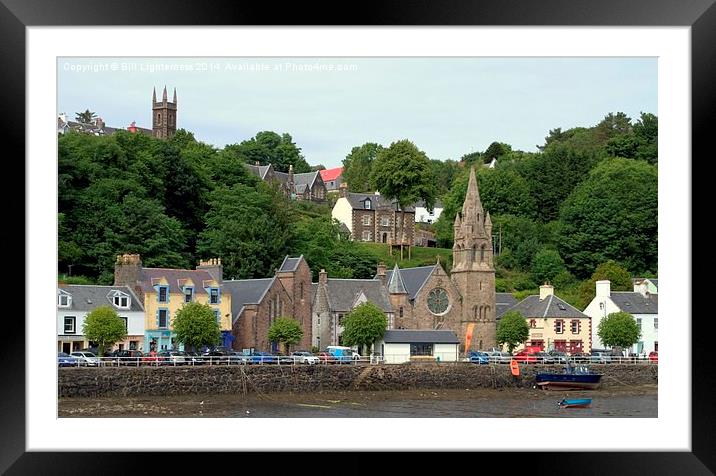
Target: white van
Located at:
point(343, 352)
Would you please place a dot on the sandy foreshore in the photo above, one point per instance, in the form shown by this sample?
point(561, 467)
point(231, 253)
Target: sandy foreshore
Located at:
point(232, 405)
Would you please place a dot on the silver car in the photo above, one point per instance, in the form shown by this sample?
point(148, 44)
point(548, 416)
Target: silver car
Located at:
point(86, 358)
point(304, 357)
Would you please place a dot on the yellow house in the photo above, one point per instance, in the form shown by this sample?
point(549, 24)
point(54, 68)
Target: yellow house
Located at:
point(554, 324)
point(164, 291)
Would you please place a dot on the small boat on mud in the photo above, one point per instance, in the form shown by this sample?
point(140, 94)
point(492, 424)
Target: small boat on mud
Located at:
point(575, 403)
point(573, 378)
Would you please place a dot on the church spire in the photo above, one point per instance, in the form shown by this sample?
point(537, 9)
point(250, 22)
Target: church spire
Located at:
point(164, 94)
point(154, 95)
point(396, 284)
point(175, 96)
point(472, 207)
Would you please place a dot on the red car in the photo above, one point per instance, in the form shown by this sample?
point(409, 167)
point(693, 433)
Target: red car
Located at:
point(326, 358)
point(526, 356)
point(654, 356)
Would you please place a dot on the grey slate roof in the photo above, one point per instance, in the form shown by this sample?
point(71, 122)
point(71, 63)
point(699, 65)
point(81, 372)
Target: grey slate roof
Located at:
point(551, 306)
point(343, 292)
point(300, 181)
point(175, 278)
point(503, 301)
point(408, 336)
point(290, 264)
point(258, 170)
point(377, 201)
point(246, 291)
point(395, 284)
point(655, 282)
point(438, 204)
point(636, 303)
point(89, 297)
point(413, 278)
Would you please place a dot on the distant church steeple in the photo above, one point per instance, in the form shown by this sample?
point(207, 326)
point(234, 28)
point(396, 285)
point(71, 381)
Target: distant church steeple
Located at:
point(164, 115)
point(473, 271)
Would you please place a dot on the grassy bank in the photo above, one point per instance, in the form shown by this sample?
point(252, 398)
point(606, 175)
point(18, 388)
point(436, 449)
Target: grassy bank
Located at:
point(419, 256)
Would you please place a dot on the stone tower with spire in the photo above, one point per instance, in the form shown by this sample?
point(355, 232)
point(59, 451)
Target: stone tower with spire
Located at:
point(473, 271)
point(164, 115)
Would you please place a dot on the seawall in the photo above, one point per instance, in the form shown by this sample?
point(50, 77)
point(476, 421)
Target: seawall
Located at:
point(240, 379)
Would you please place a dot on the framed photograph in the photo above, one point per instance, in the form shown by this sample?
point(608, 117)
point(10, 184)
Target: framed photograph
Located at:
point(325, 84)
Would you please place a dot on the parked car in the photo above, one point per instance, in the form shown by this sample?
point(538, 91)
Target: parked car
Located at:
point(262, 358)
point(654, 356)
point(580, 357)
point(193, 358)
point(284, 359)
point(526, 357)
point(600, 357)
point(151, 358)
point(477, 357)
point(128, 357)
point(66, 360)
point(305, 357)
point(499, 357)
point(343, 354)
point(172, 357)
point(327, 358)
point(86, 358)
point(545, 358)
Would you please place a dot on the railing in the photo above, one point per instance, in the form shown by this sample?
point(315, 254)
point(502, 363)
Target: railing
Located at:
point(148, 361)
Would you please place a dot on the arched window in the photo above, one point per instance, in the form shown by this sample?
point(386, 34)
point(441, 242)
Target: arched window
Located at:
point(482, 253)
point(474, 253)
point(159, 118)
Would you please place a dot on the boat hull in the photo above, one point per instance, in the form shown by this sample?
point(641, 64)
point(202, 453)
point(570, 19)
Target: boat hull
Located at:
point(568, 381)
point(577, 403)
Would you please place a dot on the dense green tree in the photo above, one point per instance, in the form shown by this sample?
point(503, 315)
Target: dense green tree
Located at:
point(104, 326)
point(268, 147)
point(512, 330)
point(495, 150)
point(646, 130)
point(612, 215)
point(402, 173)
point(287, 331)
point(619, 329)
point(195, 326)
point(249, 228)
point(358, 166)
point(547, 265)
point(443, 173)
point(363, 326)
point(619, 278)
point(86, 117)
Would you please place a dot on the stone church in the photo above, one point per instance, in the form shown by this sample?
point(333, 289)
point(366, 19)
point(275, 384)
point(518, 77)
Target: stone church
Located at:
point(427, 298)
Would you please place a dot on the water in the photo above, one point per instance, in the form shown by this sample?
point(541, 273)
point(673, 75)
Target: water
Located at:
point(479, 403)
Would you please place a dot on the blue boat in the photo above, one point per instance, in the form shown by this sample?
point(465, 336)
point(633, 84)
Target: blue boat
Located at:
point(573, 378)
point(574, 402)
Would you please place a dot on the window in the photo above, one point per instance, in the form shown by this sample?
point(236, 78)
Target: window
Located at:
point(384, 221)
point(159, 118)
point(367, 236)
point(656, 323)
point(533, 323)
point(366, 204)
point(319, 321)
point(421, 349)
point(638, 322)
point(574, 326)
point(125, 323)
point(559, 326)
point(300, 294)
point(217, 316)
point(340, 319)
point(121, 301)
point(64, 300)
point(69, 325)
point(366, 220)
point(213, 296)
point(401, 312)
point(162, 318)
point(163, 294)
point(188, 294)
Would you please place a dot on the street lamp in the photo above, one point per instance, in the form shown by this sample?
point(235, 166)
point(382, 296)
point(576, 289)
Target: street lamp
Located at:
point(69, 266)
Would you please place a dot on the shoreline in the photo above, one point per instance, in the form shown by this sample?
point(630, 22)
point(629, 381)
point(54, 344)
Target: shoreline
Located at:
point(223, 405)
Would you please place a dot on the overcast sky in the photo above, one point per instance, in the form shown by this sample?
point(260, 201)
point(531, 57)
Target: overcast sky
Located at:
point(447, 106)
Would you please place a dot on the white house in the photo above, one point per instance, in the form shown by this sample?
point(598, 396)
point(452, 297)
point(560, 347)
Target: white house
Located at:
point(401, 345)
point(640, 303)
point(423, 215)
point(75, 301)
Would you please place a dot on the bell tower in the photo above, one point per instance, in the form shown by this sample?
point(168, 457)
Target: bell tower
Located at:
point(473, 271)
point(164, 115)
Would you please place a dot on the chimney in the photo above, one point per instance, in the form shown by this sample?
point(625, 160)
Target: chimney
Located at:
point(290, 173)
point(99, 122)
point(323, 277)
point(604, 288)
point(641, 287)
point(257, 163)
point(381, 273)
point(545, 290)
point(127, 270)
point(213, 267)
point(343, 190)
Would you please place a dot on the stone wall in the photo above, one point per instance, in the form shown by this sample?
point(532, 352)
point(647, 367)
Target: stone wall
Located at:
point(114, 382)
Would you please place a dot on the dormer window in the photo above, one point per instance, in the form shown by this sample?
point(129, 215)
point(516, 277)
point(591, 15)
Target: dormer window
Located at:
point(64, 299)
point(119, 299)
point(163, 294)
point(188, 294)
point(213, 295)
point(367, 204)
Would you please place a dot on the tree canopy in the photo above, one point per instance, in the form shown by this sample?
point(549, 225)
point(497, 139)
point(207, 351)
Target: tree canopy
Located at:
point(196, 325)
point(104, 326)
point(268, 147)
point(618, 329)
point(364, 325)
point(285, 330)
point(358, 166)
point(512, 330)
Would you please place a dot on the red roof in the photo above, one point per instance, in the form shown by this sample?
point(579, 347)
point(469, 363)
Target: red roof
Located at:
point(331, 174)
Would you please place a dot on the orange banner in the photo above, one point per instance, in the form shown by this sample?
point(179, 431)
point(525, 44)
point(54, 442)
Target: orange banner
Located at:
point(468, 336)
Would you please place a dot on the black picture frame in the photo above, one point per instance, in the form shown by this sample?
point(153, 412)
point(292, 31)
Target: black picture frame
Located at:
point(16, 15)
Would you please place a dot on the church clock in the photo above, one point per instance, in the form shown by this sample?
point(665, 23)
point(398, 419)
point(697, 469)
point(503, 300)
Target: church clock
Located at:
point(438, 301)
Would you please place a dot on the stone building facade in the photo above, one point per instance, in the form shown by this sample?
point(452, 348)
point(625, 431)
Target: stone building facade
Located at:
point(304, 186)
point(164, 115)
point(372, 217)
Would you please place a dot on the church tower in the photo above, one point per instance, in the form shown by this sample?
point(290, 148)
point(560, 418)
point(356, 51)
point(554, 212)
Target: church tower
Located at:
point(164, 115)
point(473, 271)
